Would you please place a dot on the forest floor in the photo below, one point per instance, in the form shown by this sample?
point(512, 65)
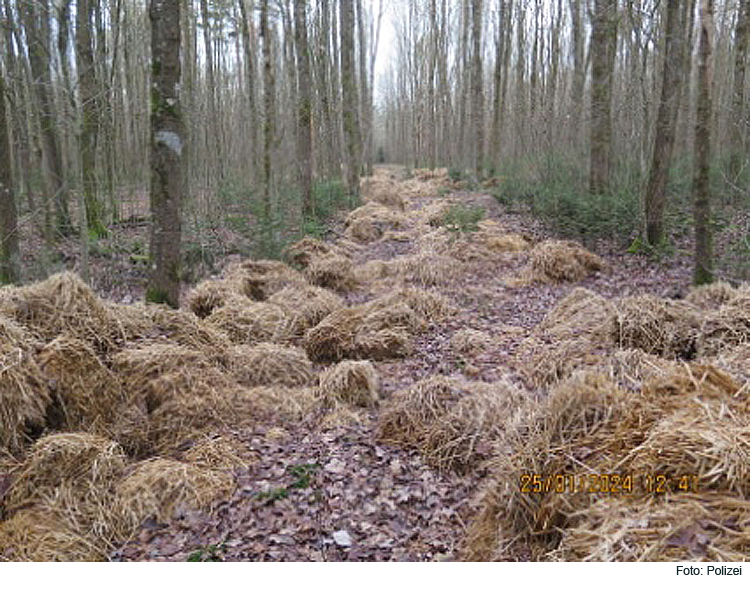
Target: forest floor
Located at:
point(331, 491)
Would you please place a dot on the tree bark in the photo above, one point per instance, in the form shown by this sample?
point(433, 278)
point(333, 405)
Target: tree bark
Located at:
point(349, 99)
point(304, 108)
point(269, 108)
point(10, 266)
point(89, 116)
point(738, 126)
point(666, 123)
point(477, 87)
point(166, 153)
point(603, 45)
point(703, 262)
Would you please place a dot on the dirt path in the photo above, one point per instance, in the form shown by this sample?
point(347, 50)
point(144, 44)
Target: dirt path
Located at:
point(335, 493)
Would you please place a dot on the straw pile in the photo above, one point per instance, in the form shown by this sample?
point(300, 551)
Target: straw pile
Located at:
point(218, 453)
point(158, 488)
point(658, 326)
point(37, 534)
point(302, 252)
point(259, 279)
point(332, 272)
point(369, 222)
point(249, 322)
point(24, 396)
point(574, 334)
point(561, 260)
point(690, 527)
point(471, 342)
point(505, 243)
point(452, 422)
point(305, 306)
point(727, 327)
point(351, 382)
point(711, 296)
point(86, 393)
point(210, 295)
point(383, 192)
point(280, 405)
point(427, 268)
point(429, 306)
point(691, 423)
point(71, 475)
point(271, 364)
point(63, 304)
point(362, 332)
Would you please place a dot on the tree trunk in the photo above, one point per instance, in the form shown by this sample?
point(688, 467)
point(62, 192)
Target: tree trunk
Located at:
point(703, 268)
point(304, 110)
point(666, 123)
point(166, 153)
point(738, 126)
point(89, 116)
point(477, 114)
point(603, 45)
point(269, 108)
point(349, 99)
point(10, 267)
point(36, 22)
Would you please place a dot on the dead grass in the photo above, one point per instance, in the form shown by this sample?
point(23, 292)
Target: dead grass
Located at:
point(210, 295)
point(38, 534)
point(427, 268)
point(24, 396)
point(471, 342)
point(63, 304)
point(271, 364)
point(280, 405)
point(218, 453)
point(727, 327)
point(452, 422)
point(657, 326)
point(691, 420)
point(302, 252)
point(332, 272)
point(158, 488)
point(85, 392)
point(306, 306)
point(711, 296)
point(369, 222)
point(689, 527)
point(556, 261)
point(245, 321)
point(259, 279)
point(351, 382)
point(382, 191)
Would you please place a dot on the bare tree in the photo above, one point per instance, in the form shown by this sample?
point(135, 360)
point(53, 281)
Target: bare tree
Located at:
point(304, 114)
point(738, 126)
point(703, 263)
point(166, 153)
point(10, 268)
point(666, 122)
point(477, 87)
point(603, 45)
point(350, 106)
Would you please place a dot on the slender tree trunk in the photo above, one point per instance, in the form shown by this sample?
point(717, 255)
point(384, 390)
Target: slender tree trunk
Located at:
point(89, 116)
point(477, 87)
point(248, 46)
point(10, 266)
point(666, 123)
point(269, 107)
point(166, 153)
point(350, 100)
point(304, 109)
point(579, 70)
point(738, 126)
point(36, 21)
point(703, 269)
point(603, 45)
point(214, 142)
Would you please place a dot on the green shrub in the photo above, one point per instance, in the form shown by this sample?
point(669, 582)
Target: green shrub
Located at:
point(463, 218)
point(456, 174)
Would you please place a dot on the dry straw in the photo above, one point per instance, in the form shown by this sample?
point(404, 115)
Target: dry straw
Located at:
point(369, 222)
point(249, 322)
point(302, 252)
point(24, 396)
point(86, 393)
point(658, 326)
point(306, 306)
point(259, 279)
point(470, 342)
point(218, 453)
point(450, 421)
point(331, 271)
point(351, 382)
point(271, 364)
point(160, 488)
